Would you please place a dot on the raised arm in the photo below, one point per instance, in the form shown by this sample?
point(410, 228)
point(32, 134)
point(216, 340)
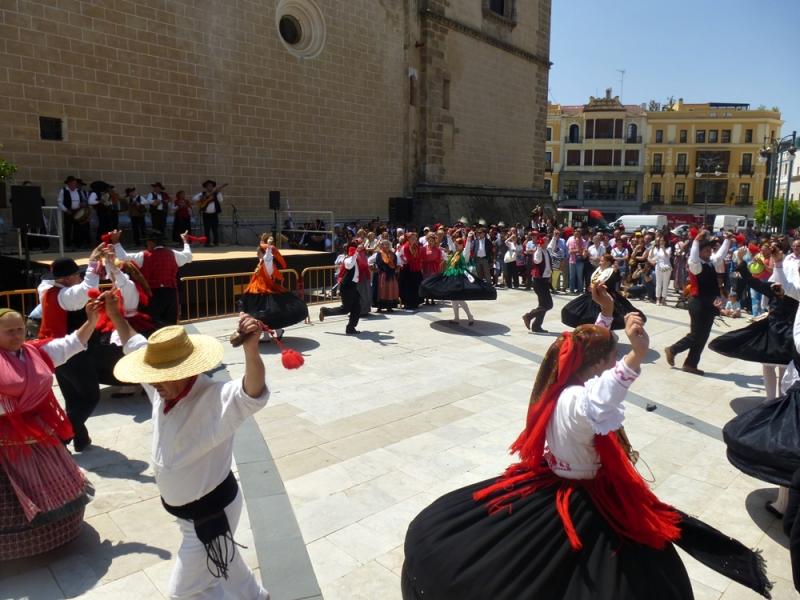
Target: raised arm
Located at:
point(60, 350)
point(722, 252)
point(694, 262)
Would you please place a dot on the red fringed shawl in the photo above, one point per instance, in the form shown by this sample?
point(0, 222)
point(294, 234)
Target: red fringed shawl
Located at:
point(617, 490)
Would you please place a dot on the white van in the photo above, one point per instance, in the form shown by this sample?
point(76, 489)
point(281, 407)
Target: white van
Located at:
point(636, 222)
point(729, 222)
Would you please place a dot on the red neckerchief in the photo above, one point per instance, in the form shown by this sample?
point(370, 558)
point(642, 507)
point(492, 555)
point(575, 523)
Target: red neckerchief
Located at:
point(170, 404)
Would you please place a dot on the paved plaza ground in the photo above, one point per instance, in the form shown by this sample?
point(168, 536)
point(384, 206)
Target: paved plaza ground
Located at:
point(353, 445)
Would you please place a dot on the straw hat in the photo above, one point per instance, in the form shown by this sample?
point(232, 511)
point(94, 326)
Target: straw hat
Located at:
point(170, 354)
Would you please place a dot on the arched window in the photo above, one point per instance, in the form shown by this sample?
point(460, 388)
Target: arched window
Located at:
point(632, 132)
point(574, 133)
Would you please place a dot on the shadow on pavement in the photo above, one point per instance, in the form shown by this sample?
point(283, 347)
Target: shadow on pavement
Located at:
point(480, 328)
point(114, 464)
point(297, 344)
point(772, 526)
point(80, 565)
point(137, 406)
point(745, 403)
point(623, 348)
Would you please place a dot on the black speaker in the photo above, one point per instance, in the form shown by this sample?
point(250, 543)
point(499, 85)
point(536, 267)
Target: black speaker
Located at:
point(401, 210)
point(26, 206)
point(275, 200)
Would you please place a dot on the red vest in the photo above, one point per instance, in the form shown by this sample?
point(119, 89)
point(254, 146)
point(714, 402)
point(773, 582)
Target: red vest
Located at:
point(57, 322)
point(160, 268)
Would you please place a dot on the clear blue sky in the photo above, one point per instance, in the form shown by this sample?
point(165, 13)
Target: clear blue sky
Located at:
point(698, 50)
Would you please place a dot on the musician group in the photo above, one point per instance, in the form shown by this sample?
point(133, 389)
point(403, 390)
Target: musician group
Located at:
point(80, 205)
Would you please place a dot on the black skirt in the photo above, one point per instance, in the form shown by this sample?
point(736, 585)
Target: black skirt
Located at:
point(584, 311)
point(764, 341)
point(765, 442)
point(442, 287)
point(274, 310)
point(456, 550)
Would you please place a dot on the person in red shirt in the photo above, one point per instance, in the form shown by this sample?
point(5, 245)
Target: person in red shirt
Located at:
point(411, 272)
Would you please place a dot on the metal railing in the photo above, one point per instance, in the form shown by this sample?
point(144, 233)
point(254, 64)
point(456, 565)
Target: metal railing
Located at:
point(24, 301)
point(681, 169)
point(655, 199)
point(679, 199)
point(548, 166)
point(744, 200)
point(212, 296)
point(746, 170)
point(573, 139)
point(633, 139)
point(656, 169)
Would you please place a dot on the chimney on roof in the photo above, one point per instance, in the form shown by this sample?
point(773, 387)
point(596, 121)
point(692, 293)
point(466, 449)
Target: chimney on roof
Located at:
point(608, 93)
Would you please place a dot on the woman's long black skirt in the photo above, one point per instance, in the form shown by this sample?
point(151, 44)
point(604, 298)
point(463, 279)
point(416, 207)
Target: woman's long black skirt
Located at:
point(763, 341)
point(274, 310)
point(765, 442)
point(456, 550)
point(584, 311)
point(409, 288)
point(442, 287)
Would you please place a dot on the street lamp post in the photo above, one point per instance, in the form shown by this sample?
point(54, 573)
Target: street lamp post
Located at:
point(704, 165)
point(776, 148)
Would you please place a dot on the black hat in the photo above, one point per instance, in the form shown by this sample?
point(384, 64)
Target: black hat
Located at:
point(98, 187)
point(157, 184)
point(129, 190)
point(64, 267)
point(81, 181)
point(211, 181)
point(70, 179)
point(153, 235)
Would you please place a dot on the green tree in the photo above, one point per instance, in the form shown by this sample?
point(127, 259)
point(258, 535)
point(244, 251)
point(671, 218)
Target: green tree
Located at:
point(792, 213)
point(7, 169)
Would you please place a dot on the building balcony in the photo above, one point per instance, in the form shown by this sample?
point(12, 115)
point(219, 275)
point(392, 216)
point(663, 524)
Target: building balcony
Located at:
point(744, 200)
point(746, 170)
point(681, 169)
point(679, 199)
point(629, 197)
point(573, 140)
point(656, 169)
point(633, 139)
point(655, 199)
point(548, 167)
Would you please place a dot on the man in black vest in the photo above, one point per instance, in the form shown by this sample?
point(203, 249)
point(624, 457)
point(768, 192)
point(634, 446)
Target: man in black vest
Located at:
point(348, 286)
point(540, 278)
point(210, 211)
point(157, 201)
point(704, 302)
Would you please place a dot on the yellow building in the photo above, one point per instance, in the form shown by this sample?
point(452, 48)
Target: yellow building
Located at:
point(704, 158)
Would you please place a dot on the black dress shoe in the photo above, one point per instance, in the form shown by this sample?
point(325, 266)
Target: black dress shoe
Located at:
point(81, 442)
point(352, 332)
point(538, 330)
point(772, 510)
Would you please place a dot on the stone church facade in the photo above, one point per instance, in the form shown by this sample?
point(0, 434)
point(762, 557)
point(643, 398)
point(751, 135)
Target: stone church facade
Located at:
point(339, 104)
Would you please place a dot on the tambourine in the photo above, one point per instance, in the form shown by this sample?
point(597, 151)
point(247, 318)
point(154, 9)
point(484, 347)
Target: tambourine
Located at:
point(82, 215)
point(601, 276)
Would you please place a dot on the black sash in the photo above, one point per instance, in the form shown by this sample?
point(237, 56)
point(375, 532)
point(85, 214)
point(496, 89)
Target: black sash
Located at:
point(211, 524)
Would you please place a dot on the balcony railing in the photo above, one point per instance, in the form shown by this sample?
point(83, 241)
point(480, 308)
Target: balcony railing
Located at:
point(659, 199)
point(746, 170)
point(656, 169)
point(573, 139)
point(630, 196)
point(633, 139)
point(679, 199)
point(681, 169)
point(548, 166)
point(744, 200)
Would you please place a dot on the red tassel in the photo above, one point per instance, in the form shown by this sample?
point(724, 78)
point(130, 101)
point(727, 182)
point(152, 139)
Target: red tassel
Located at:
point(200, 239)
point(754, 249)
point(93, 293)
point(596, 215)
point(740, 239)
point(106, 238)
point(562, 506)
point(693, 232)
point(292, 359)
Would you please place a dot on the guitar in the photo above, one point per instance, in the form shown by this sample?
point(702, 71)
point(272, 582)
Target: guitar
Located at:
point(208, 197)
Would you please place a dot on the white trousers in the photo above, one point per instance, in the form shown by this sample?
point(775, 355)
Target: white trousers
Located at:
point(461, 304)
point(191, 579)
point(662, 282)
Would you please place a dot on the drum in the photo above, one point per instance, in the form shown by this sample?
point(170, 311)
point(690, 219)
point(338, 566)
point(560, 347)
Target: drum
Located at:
point(82, 215)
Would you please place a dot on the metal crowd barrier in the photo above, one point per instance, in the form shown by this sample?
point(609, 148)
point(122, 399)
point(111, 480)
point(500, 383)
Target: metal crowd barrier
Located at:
point(24, 301)
point(319, 284)
point(214, 296)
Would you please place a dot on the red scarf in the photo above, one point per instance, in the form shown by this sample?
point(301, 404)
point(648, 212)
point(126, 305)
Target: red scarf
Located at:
point(617, 490)
point(363, 266)
point(170, 404)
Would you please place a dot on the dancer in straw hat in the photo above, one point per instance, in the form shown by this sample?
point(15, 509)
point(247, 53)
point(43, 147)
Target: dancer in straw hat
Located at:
point(194, 419)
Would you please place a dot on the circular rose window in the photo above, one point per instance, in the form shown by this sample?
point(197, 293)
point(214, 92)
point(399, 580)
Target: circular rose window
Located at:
point(301, 27)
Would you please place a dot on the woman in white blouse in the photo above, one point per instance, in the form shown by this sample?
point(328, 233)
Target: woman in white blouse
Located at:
point(660, 257)
point(573, 518)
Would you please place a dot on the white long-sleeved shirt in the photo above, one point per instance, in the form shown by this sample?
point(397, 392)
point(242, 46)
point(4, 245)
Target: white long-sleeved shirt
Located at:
point(583, 411)
point(210, 208)
point(269, 261)
point(660, 258)
point(74, 201)
point(193, 444)
point(696, 264)
point(74, 297)
point(539, 256)
point(156, 201)
point(791, 289)
point(181, 256)
point(350, 263)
